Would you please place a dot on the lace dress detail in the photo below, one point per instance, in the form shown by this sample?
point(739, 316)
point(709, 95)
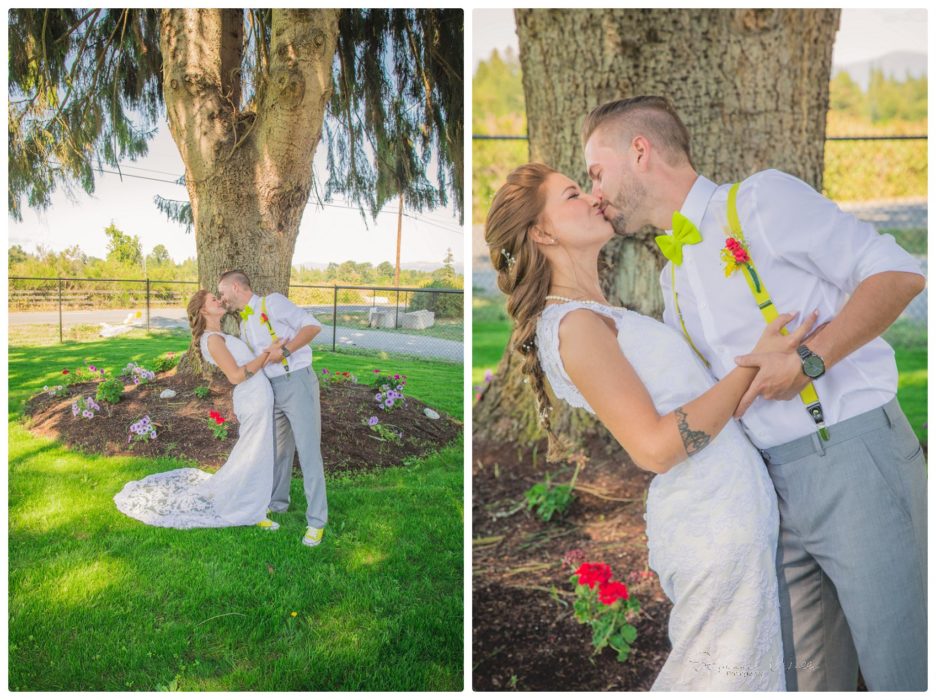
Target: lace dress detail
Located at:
point(712, 520)
point(239, 492)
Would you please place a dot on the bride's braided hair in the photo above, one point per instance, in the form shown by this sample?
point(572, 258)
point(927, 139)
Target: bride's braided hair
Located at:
point(523, 275)
point(196, 319)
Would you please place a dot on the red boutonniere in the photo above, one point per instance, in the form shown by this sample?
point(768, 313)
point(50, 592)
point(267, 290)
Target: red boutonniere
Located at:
point(263, 317)
point(735, 255)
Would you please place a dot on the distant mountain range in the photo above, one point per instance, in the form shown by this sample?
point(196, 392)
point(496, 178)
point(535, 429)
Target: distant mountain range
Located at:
point(417, 265)
point(897, 64)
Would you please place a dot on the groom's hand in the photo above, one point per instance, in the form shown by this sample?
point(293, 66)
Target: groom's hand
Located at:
point(779, 377)
point(275, 351)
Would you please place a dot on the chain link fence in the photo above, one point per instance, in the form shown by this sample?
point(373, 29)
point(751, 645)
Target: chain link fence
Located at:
point(424, 322)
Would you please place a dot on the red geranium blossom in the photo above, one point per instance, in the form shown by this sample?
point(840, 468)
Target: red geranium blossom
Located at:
point(217, 417)
point(65, 371)
point(737, 250)
point(591, 573)
point(611, 591)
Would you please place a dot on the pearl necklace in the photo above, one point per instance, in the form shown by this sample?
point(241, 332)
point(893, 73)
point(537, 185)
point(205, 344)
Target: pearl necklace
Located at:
point(556, 297)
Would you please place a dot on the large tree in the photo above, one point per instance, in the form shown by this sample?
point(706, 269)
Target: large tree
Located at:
point(752, 87)
point(248, 94)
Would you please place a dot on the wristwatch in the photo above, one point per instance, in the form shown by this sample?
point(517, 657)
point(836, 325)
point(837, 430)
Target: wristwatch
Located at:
point(813, 366)
point(286, 352)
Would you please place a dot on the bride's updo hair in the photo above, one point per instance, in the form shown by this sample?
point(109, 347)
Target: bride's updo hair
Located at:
point(196, 319)
point(523, 274)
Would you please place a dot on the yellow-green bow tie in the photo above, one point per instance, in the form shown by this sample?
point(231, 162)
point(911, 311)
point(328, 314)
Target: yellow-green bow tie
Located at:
point(246, 312)
point(684, 233)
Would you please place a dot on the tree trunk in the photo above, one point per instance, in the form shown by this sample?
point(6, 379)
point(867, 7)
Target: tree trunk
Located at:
point(248, 174)
point(752, 87)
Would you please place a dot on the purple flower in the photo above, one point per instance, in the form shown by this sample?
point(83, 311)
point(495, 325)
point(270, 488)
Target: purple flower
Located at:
point(87, 414)
point(92, 368)
point(378, 397)
point(324, 371)
point(488, 376)
point(388, 403)
point(373, 420)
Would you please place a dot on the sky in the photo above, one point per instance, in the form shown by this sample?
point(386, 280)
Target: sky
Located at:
point(332, 234)
point(863, 34)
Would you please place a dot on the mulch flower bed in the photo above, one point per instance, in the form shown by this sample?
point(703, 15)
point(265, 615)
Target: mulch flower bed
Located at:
point(525, 635)
point(183, 424)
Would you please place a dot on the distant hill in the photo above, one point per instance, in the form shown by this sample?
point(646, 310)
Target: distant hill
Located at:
point(897, 64)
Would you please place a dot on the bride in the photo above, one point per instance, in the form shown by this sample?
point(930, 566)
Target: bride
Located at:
point(239, 492)
point(712, 518)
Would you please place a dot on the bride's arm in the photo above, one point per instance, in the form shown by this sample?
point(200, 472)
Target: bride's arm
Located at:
point(226, 363)
point(595, 364)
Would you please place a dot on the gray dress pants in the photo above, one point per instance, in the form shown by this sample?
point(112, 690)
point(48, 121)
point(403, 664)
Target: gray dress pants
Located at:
point(297, 419)
point(851, 558)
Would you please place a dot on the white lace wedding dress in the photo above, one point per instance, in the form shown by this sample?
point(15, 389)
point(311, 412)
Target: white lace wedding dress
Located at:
point(712, 520)
point(239, 492)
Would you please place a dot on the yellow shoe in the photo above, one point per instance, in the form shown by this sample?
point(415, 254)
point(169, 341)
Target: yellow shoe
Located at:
point(268, 525)
point(313, 536)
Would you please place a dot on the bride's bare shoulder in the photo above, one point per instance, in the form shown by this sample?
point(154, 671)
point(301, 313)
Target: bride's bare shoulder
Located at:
point(582, 325)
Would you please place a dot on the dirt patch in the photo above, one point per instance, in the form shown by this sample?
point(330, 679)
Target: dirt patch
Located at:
point(184, 427)
point(525, 636)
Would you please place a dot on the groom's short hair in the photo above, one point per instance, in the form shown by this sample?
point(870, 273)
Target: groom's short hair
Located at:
point(238, 276)
point(654, 117)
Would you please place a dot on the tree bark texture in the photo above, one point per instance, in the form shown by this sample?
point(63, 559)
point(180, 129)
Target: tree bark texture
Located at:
point(752, 87)
point(248, 174)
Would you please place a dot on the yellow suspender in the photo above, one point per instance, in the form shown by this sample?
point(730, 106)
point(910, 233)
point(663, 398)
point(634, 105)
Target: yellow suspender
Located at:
point(270, 327)
point(683, 323)
point(808, 395)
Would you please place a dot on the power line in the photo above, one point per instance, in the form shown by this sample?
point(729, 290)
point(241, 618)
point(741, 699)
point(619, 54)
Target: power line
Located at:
point(324, 204)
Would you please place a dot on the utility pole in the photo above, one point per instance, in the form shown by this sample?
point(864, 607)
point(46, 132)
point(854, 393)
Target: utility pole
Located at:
point(399, 233)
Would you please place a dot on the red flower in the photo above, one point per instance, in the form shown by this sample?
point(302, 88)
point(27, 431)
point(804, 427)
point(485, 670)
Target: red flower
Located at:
point(737, 250)
point(65, 371)
point(591, 573)
point(376, 371)
point(217, 417)
point(263, 317)
point(612, 591)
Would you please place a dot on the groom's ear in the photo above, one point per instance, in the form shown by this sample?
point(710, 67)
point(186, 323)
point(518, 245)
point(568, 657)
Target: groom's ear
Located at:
point(641, 149)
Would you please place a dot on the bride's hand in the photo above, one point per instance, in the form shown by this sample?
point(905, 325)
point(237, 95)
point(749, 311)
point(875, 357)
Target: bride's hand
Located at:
point(772, 340)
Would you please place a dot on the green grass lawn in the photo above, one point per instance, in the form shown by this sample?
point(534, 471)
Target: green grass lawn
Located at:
point(491, 331)
point(99, 601)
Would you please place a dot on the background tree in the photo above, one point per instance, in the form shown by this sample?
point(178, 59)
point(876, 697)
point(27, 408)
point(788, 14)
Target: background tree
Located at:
point(751, 86)
point(159, 256)
point(122, 247)
point(246, 93)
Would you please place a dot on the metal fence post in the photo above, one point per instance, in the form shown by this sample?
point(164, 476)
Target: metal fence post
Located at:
point(335, 318)
point(60, 309)
point(147, 304)
point(396, 321)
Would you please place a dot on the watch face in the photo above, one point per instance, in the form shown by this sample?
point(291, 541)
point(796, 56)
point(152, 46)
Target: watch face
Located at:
point(813, 366)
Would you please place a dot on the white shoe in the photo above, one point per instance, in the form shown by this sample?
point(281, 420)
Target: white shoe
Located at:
point(313, 536)
point(268, 525)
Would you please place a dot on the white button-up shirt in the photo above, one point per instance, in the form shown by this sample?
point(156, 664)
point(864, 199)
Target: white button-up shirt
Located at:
point(809, 255)
point(286, 319)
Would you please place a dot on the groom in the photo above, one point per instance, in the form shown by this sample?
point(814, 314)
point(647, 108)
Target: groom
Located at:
point(296, 408)
point(848, 469)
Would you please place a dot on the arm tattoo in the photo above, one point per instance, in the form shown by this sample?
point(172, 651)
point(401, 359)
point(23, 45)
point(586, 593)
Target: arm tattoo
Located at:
point(693, 440)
